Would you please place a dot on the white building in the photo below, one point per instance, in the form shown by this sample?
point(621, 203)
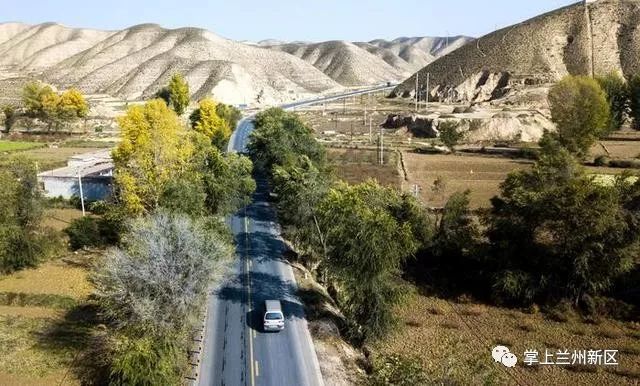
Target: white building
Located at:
point(95, 170)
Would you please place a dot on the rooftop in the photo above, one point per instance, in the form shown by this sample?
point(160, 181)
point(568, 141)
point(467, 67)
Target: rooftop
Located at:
point(99, 170)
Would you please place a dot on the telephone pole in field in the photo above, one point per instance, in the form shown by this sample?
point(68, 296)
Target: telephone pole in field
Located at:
point(416, 92)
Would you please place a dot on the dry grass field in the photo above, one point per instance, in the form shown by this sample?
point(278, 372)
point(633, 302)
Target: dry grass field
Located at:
point(481, 175)
point(42, 328)
point(358, 165)
point(617, 149)
point(454, 341)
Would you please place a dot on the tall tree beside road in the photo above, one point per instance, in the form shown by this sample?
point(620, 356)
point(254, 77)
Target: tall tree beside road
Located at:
point(580, 110)
point(205, 120)
point(153, 287)
point(300, 186)
point(154, 151)
point(280, 135)
point(367, 246)
point(229, 113)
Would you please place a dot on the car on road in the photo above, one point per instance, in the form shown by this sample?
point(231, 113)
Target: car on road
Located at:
point(273, 316)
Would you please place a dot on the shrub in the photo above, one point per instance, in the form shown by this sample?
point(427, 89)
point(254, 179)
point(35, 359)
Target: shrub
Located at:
point(84, 232)
point(147, 360)
point(159, 276)
point(601, 161)
point(98, 207)
point(398, 370)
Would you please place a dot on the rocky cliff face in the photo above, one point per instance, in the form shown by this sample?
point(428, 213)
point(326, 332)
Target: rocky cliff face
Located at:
point(581, 39)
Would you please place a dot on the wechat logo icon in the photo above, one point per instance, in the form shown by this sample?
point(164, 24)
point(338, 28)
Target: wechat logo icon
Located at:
point(503, 355)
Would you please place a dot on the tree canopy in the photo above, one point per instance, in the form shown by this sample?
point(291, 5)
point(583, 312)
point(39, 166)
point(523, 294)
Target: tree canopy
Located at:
point(43, 103)
point(617, 92)
point(580, 110)
point(205, 120)
point(179, 95)
point(556, 232)
point(153, 152)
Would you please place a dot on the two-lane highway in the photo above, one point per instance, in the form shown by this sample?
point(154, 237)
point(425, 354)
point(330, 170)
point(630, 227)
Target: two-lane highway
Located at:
point(236, 350)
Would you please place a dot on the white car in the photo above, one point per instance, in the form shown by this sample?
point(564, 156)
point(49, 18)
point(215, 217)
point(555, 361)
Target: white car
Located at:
point(273, 316)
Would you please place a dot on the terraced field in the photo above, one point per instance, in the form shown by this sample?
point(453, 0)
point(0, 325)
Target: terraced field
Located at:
point(44, 318)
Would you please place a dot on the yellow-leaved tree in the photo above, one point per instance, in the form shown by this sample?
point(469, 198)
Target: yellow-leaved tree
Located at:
point(72, 105)
point(155, 150)
point(205, 120)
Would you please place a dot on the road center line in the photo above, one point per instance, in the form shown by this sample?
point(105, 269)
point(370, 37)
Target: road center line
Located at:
point(257, 369)
point(248, 272)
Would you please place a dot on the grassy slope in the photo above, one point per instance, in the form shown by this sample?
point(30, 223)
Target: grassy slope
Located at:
point(454, 340)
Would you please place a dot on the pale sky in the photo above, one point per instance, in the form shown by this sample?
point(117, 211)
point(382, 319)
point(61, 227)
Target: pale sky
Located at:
point(315, 20)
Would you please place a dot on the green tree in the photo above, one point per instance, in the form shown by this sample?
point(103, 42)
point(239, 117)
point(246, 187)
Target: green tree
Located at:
point(33, 95)
point(179, 94)
point(22, 241)
point(154, 151)
point(10, 116)
point(366, 247)
point(299, 187)
point(555, 232)
point(278, 136)
point(580, 110)
point(449, 134)
point(206, 120)
point(229, 113)
point(634, 100)
point(617, 93)
point(55, 109)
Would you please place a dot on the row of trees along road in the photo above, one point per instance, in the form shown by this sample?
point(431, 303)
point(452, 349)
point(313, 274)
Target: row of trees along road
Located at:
point(554, 232)
point(357, 237)
point(173, 188)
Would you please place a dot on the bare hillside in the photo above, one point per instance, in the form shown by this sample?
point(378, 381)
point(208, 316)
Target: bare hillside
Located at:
point(35, 47)
point(345, 62)
point(420, 51)
point(137, 61)
point(578, 39)
point(370, 62)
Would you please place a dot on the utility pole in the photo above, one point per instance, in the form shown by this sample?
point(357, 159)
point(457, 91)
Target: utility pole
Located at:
point(365, 115)
point(81, 192)
point(370, 129)
point(381, 146)
point(417, 76)
point(426, 105)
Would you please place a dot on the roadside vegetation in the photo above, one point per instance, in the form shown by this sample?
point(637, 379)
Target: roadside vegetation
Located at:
point(555, 241)
point(153, 249)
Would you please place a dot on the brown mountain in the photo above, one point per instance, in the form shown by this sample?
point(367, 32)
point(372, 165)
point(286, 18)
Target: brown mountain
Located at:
point(595, 38)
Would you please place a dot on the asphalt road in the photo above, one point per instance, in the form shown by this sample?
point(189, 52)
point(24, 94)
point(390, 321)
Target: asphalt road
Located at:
point(236, 350)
